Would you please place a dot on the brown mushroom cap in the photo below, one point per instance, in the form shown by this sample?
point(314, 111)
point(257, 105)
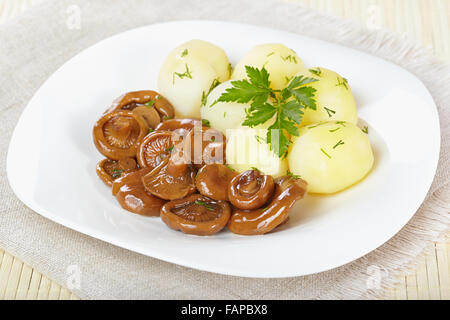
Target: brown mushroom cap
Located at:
point(263, 220)
point(131, 100)
point(250, 190)
point(204, 145)
point(212, 180)
point(117, 134)
point(196, 214)
point(175, 124)
point(155, 147)
point(170, 180)
point(109, 170)
point(149, 114)
point(131, 194)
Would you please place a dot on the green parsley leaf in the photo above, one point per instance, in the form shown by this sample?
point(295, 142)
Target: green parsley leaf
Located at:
point(184, 53)
point(258, 115)
point(284, 106)
point(365, 129)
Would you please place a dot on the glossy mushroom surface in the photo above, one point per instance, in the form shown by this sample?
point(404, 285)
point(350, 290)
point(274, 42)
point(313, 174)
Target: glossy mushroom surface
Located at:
point(213, 180)
point(250, 190)
point(109, 170)
point(177, 124)
point(149, 114)
point(131, 194)
point(196, 214)
point(145, 98)
point(117, 134)
point(260, 221)
point(204, 145)
point(154, 148)
point(170, 180)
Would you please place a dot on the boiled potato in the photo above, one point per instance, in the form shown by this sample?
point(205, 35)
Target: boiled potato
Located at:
point(184, 82)
point(247, 149)
point(223, 115)
point(189, 73)
point(207, 52)
point(280, 62)
point(334, 98)
point(331, 156)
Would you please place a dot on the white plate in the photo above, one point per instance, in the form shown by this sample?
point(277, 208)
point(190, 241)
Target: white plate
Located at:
point(51, 158)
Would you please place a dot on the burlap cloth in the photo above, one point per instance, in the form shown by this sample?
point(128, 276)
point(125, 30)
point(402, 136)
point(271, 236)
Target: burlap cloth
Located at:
point(34, 45)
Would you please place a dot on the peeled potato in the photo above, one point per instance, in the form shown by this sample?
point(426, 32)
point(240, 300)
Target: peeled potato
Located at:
point(183, 82)
point(331, 156)
point(334, 98)
point(207, 52)
point(189, 73)
point(223, 115)
point(281, 63)
point(247, 149)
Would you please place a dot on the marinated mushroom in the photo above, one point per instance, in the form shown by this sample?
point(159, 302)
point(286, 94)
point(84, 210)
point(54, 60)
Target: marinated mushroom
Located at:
point(263, 220)
point(170, 180)
point(149, 114)
point(108, 170)
point(212, 180)
point(204, 145)
point(131, 194)
point(155, 147)
point(117, 134)
point(196, 214)
point(183, 126)
point(250, 190)
point(145, 98)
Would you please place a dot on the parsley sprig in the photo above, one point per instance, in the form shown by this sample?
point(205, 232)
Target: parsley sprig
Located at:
point(285, 105)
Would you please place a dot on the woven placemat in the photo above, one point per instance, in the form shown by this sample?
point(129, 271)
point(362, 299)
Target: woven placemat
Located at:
point(338, 283)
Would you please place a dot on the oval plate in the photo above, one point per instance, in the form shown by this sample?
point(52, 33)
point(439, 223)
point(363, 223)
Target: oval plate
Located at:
point(51, 159)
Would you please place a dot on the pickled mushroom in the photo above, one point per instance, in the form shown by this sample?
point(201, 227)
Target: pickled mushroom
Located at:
point(196, 214)
point(213, 180)
point(170, 180)
point(260, 221)
point(108, 170)
point(250, 190)
point(131, 194)
point(145, 98)
point(117, 134)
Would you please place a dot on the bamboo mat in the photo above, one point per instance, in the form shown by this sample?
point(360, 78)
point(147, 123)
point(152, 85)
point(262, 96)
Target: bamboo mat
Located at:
point(426, 21)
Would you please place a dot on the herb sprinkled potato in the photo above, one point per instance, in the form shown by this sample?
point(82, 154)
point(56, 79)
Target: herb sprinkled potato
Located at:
point(223, 115)
point(333, 97)
point(331, 156)
point(280, 62)
point(189, 74)
point(247, 149)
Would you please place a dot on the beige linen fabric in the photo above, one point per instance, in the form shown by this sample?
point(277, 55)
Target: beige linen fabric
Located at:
point(33, 46)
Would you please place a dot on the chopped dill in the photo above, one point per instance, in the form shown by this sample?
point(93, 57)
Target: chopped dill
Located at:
point(338, 144)
point(325, 153)
point(186, 74)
